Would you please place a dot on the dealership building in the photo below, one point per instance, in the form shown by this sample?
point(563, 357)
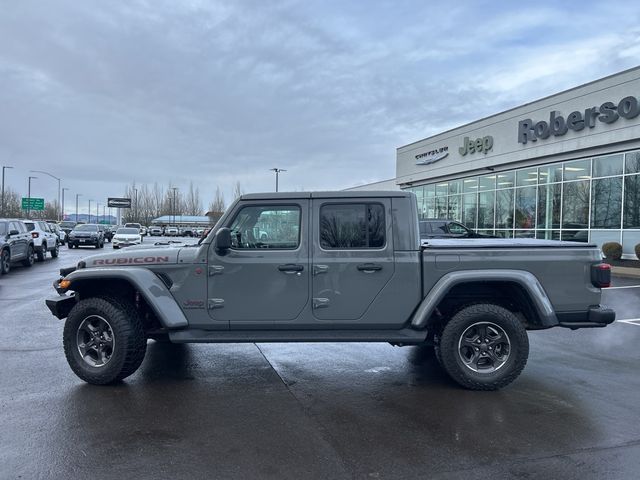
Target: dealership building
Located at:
point(563, 167)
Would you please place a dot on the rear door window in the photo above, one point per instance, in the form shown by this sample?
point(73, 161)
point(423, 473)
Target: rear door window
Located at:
point(352, 226)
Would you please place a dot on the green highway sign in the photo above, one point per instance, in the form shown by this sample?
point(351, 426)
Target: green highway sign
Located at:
point(32, 203)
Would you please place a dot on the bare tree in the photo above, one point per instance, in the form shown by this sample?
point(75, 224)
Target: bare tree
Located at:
point(217, 205)
point(12, 204)
point(193, 203)
point(237, 190)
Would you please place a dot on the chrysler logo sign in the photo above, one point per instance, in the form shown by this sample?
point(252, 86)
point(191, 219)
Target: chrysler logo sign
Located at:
point(432, 156)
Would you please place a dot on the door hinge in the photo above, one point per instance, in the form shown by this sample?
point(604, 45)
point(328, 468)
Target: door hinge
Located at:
point(215, 270)
point(320, 302)
point(215, 303)
point(318, 269)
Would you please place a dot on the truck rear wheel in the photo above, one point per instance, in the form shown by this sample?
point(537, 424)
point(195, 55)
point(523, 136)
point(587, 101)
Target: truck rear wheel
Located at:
point(103, 339)
point(484, 347)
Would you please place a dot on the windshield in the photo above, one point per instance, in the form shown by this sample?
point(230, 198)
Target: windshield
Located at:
point(127, 231)
point(3, 228)
point(68, 224)
point(133, 225)
point(86, 228)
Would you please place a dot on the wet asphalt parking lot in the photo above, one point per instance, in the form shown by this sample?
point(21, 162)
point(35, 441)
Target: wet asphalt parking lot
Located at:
point(314, 410)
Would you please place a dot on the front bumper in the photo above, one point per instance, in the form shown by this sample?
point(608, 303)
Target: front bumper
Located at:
point(60, 306)
point(597, 316)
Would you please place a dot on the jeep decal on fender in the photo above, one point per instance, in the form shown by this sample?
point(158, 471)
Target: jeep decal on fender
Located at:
point(130, 260)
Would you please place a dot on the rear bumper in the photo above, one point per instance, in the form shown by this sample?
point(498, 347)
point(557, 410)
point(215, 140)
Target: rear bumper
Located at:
point(596, 316)
point(61, 306)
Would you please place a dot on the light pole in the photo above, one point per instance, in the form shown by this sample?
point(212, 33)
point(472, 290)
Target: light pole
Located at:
point(174, 204)
point(90, 200)
point(277, 170)
point(97, 212)
point(29, 198)
point(65, 188)
point(104, 215)
point(2, 209)
point(135, 205)
point(52, 176)
point(77, 195)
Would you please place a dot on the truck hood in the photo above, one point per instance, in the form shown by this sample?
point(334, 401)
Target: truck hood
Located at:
point(155, 255)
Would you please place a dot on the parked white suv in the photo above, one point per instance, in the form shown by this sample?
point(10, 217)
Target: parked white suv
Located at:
point(44, 239)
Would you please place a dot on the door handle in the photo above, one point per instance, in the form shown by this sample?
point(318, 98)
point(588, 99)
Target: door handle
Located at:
point(290, 268)
point(369, 267)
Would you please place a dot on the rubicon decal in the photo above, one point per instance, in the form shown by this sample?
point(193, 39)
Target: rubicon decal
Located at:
point(130, 260)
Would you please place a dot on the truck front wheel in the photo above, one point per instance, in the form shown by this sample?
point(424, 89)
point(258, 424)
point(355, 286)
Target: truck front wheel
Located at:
point(104, 340)
point(484, 347)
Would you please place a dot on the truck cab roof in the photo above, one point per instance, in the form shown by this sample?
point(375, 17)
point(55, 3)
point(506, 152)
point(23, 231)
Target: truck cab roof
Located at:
point(331, 194)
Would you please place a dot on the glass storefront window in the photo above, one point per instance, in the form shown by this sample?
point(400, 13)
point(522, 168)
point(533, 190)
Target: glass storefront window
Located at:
point(577, 170)
point(575, 207)
point(606, 202)
point(525, 234)
point(488, 182)
point(631, 201)
point(549, 198)
point(550, 173)
point(632, 162)
point(429, 190)
point(525, 212)
point(504, 233)
point(470, 185)
point(607, 166)
point(505, 179)
point(575, 235)
point(442, 188)
point(455, 208)
point(419, 191)
point(441, 207)
point(455, 187)
point(526, 177)
point(485, 209)
point(504, 208)
point(469, 209)
point(429, 208)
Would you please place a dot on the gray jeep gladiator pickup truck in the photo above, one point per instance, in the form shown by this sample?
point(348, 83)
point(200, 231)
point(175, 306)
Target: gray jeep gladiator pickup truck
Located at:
point(330, 267)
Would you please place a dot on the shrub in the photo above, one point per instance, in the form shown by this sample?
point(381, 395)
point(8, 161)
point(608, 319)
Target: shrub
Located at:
point(612, 250)
point(637, 249)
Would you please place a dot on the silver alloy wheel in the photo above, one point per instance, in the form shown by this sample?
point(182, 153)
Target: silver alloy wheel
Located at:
point(484, 347)
point(95, 341)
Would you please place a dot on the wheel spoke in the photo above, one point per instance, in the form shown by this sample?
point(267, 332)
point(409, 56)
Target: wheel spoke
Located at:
point(95, 341)
point(484, 347)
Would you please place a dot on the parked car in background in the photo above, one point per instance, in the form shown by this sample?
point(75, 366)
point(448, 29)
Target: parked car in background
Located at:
point(109, 232)
point(44, 239)
point(133, 225)
point(61, 234)
point(445, 228)
point(200, 232)
point(155, 231)
point(171, 231)
point(126, 237)
point(16, 244)
point(67, 226)
point(188, 231)
point(143, 230)
point(86, 235)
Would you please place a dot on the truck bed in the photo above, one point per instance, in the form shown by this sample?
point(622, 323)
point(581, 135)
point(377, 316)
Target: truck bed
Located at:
point(500, 243)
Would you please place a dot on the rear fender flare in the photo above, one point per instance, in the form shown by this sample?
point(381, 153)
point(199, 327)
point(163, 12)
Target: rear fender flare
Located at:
point(152, 289)
point(526, 280)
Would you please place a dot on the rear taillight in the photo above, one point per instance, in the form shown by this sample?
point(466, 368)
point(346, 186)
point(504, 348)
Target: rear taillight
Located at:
point(35, 234)
point(601, 275)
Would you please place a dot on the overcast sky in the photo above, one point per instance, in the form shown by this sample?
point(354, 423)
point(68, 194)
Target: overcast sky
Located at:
point(103, 93)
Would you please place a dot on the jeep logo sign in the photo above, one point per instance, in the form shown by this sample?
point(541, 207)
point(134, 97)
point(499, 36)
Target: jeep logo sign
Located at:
point(483, 145)
point(608, 112)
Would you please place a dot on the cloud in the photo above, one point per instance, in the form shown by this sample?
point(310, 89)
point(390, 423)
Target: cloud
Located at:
point(106, 93)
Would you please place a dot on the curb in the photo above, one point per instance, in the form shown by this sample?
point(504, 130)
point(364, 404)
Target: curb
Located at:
point(626, 272)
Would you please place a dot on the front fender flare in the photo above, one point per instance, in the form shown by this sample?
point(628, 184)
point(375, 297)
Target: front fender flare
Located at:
point(152, 289)
point(526, 280)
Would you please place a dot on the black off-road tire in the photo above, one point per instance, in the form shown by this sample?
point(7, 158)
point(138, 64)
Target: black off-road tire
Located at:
point(130, 340)
point(5, 261)
point(42, 252)
point(29, 261)
point(69, 245)
point(56, 251)
point(450, 343)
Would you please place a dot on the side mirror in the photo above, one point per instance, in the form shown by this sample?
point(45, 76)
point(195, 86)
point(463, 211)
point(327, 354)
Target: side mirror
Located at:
point(222, 241)
point(13, 232)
